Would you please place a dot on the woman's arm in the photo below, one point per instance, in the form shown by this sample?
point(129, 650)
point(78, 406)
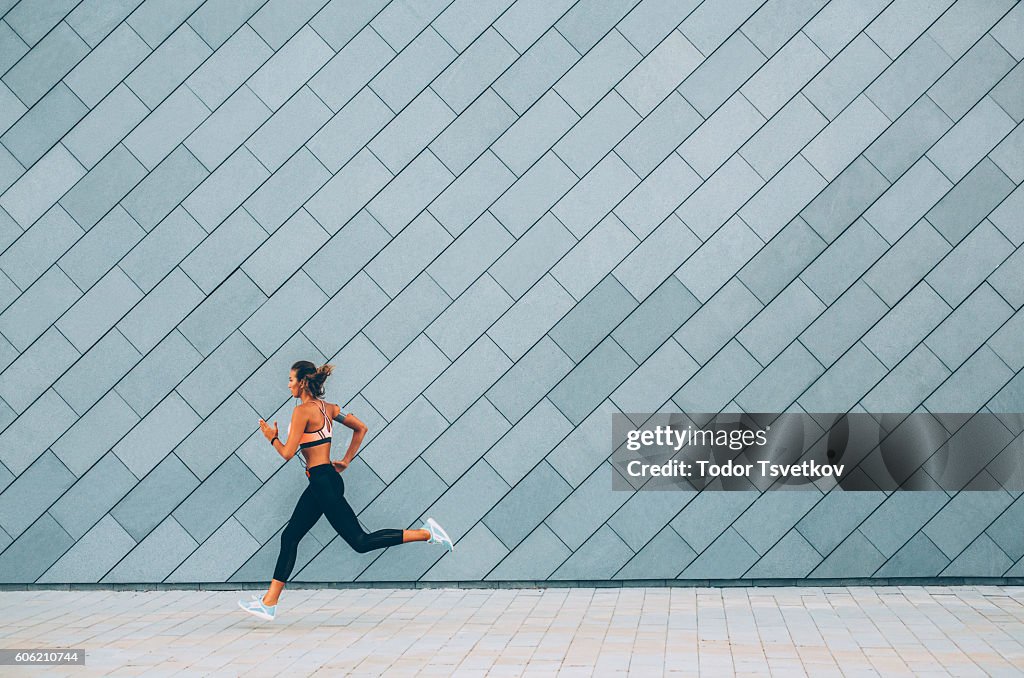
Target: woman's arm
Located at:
point(288, 448)
point(359, 432)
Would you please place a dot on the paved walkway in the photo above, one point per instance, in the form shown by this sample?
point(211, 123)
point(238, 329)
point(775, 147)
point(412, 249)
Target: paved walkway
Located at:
point(962, 630)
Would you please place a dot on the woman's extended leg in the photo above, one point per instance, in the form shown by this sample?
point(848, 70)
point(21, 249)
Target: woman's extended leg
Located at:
point(330, 492)
point(307, 512)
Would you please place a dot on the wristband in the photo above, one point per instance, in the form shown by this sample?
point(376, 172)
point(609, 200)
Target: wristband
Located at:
point(272, 440)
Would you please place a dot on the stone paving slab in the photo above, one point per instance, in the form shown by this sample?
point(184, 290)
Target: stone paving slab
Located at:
point(634, 631)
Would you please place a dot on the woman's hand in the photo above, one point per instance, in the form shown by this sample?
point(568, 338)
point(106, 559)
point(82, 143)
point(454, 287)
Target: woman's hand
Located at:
point(340, 465)
point(269, 431)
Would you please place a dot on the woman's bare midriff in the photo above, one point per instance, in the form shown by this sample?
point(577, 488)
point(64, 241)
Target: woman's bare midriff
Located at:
point(321, 454)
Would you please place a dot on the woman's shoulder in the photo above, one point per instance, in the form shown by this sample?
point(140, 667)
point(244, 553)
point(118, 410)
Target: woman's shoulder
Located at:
point(314, 406)
point(328, 407)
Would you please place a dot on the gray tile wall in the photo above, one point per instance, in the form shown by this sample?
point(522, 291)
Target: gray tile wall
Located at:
point(502, 221)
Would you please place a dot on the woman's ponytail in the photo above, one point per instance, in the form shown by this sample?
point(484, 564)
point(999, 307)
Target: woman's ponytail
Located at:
point(313, 376)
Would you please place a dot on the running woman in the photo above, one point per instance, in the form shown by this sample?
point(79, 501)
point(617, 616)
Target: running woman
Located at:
point(310, 433)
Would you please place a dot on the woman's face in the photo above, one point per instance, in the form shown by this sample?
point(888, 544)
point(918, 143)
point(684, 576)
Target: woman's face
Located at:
point(294, 385)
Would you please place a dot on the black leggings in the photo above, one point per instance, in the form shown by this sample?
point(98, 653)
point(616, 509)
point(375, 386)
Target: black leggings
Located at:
point(325, 495)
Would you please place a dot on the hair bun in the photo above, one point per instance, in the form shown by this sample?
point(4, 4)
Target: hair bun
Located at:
point(313, 376)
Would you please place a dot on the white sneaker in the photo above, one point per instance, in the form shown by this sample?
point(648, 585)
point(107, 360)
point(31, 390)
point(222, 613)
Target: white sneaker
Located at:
point(255, 607)
point(437, 534)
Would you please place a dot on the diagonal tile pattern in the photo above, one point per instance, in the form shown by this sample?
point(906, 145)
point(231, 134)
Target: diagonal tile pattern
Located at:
point(501, 221)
